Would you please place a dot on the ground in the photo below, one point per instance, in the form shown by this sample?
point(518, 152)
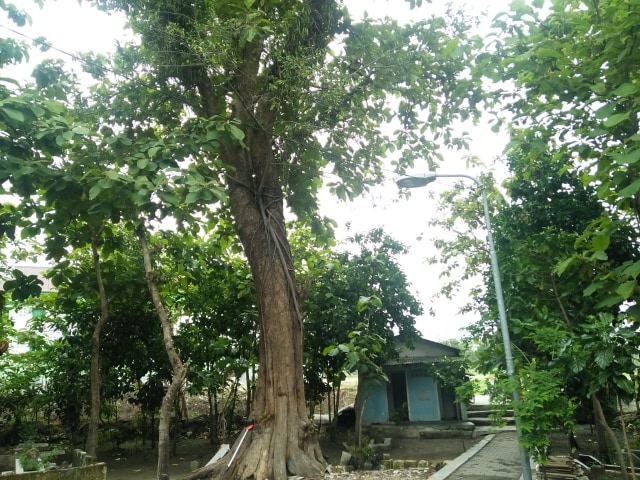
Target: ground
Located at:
point(138, 463)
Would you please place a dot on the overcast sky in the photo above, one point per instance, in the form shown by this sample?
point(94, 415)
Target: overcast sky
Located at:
point(73, 26)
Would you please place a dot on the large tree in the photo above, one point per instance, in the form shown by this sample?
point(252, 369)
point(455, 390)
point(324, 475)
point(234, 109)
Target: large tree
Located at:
point(565, 72)
point(282, 104)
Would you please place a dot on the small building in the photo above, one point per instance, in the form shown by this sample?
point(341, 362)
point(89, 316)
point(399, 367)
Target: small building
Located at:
point(411, 393)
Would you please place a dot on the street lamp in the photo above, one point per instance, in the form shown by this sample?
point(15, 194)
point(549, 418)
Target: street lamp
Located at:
point(421, 180)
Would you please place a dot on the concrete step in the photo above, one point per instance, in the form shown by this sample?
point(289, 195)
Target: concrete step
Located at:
point(480, 407)
point(486, 422)
point(486, 413)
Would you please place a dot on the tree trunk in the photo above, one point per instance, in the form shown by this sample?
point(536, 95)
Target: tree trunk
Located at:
point(627, 446)
point(213, 417)
point(95, 383)
point(248, 383)
point(179, 370)
point(599, 414)
point(281, 442)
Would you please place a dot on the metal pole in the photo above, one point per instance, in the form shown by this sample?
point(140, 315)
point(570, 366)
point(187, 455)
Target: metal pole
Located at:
point(502, 314)
point(504, 328)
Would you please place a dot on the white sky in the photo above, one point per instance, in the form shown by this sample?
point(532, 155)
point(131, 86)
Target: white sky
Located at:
point(74, 26)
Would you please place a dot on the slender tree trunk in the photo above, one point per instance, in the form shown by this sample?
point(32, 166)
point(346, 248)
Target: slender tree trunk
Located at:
point(597, 409)
point(601, 435)
point(231, 406)
point(179, 370)
point(95, 382)
point(247, 405)
point(213, 419)
point(153, 430)
point(627, 446)
point(144, 427)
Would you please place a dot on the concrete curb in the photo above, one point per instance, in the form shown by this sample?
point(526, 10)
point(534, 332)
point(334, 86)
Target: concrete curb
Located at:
point(460, 460)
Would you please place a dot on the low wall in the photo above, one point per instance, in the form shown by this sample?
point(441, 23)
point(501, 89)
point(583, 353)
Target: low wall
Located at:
point(97, 471)
point(421, 430)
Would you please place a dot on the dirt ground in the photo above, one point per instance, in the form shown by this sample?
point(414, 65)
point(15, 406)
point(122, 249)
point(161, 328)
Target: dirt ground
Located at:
point(138, 463)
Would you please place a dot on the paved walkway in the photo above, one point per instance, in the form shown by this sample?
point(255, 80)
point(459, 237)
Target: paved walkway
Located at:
point(495, 457)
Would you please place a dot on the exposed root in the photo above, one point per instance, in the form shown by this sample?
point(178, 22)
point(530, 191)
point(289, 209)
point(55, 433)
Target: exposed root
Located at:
point(263, 456)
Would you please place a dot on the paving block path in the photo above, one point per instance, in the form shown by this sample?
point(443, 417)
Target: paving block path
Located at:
point(495, 457)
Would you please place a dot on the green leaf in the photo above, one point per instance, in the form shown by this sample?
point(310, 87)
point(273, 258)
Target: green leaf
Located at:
point(624, 384)
point(168, 197)
point(451, 46)
point(606, 110)
point(13, 114)
point(632, 270)
point(603, 358)
point(600, 242)
point(235, 132)
point(614, 120)
point(562, 266)
point(609, 301)
point(251, 33)
point(625, 90)
point(192, 197)
point(152, 151)
point(38, 111)
point(626, 289)
point(593, 286)
point(9, 80)
point(95, 191)
point(220, 194)
point(630, 190)
point(54, 106)
point(142, 163)
point(80, 130)
point(627, 157)
point(211, 134)
point(543, 53)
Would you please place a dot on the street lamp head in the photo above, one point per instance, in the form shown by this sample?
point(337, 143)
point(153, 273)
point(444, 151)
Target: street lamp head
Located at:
point(415, 181)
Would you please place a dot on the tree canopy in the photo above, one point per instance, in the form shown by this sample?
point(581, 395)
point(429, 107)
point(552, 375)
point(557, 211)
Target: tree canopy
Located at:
point(198, 142)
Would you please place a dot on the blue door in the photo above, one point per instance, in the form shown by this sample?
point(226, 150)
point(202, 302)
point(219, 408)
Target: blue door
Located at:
point(424, 405)
point(373, 397)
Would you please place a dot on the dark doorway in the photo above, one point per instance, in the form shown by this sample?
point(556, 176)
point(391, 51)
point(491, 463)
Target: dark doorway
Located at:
point(398, 405)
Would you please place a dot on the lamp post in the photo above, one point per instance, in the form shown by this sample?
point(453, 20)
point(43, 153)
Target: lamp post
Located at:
point(424, 179)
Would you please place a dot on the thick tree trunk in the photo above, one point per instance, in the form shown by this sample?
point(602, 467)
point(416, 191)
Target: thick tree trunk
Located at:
point(95, 382)
point(281, 443)
point(178, 368)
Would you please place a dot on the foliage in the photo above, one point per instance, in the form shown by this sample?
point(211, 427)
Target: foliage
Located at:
point(243, 106)
point(538, 225)
point(352, 296)
point(577, 99)
point(453, 372)
point(33, 460)
point(565, 230)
